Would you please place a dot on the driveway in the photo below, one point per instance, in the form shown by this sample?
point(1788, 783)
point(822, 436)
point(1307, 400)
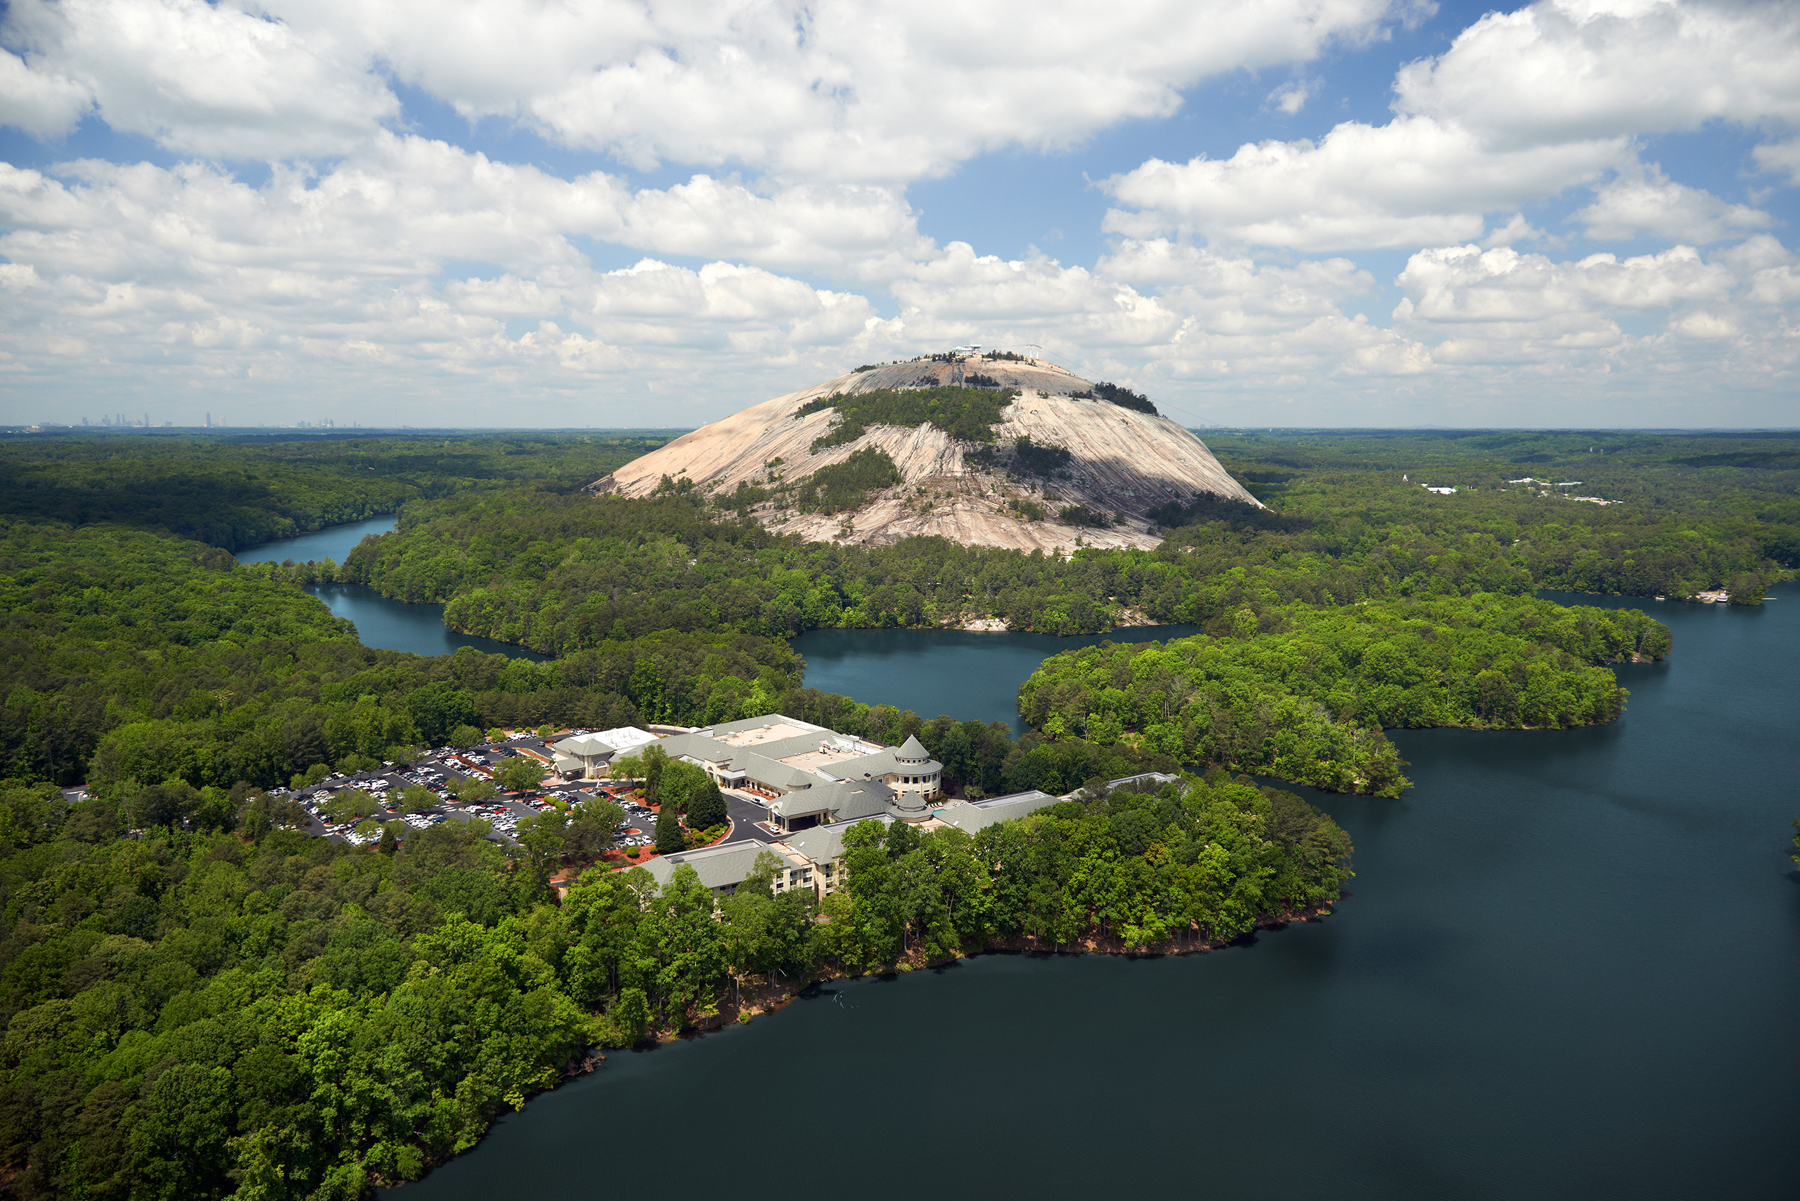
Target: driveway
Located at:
point(745, 812)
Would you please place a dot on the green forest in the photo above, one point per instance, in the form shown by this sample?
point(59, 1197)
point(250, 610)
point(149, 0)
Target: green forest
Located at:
point(193, 1014)
point(201, 1001)
point(967, 414)
point(1303, 693)
point(845, 486)
point(557, 572)
point(242, 489)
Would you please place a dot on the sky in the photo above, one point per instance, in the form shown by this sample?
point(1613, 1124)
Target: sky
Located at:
point(543, 213)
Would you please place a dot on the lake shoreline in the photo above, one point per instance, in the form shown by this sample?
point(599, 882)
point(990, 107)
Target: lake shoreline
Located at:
point(769, 999)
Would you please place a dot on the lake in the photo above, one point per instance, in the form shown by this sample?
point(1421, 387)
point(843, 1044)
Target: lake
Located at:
point(1567, 969)
point(906, 668)
point(334, 542)
point(965, 675)
point(381, 623)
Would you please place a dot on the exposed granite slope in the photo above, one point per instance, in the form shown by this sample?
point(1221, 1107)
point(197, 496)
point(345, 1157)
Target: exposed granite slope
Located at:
point(1124, 462)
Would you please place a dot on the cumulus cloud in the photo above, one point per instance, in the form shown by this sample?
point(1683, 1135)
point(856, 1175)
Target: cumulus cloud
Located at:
point(1498, 313)
point(1568, 71)
point(1235, 293)
point(375, 263)
point(1162, 315)
point(843, 90)
point(421, 202)
point(199, 78)
point(1517, 229)
point(1465, 284)
point(1781, 157)
point(187, 273)
point(852, 89)
point(1292, 97)
point(43, 103)
point(1648, 202)
point(1415, 181)
point(1523, 107)
point(851, 229)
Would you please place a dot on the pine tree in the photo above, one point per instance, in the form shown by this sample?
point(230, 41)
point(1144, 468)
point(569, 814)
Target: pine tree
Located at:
point(706, 808)
point(669, 838)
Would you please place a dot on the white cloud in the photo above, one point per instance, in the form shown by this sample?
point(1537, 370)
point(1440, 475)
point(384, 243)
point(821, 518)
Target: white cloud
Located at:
point(844, 228)
point(1523, 107)
point(844, 90)
point(1772, 271)
point(1235, 294)
point(1415, 181)
point(199, 78)
point(1702, 324)
point(1516, 230)
point(1569, 71)
point(423, 202)
point(143, 280)
point(852, 89)
point(1292, 97)
point(1466, 284)
point(1648, 202)
point(327, 284)
point(1780, 157)
point(1510, 318)
point(409, 270)
point(45, 104)
point(1168, 317)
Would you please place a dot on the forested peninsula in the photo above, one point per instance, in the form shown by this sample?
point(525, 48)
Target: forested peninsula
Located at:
point(199, 1000)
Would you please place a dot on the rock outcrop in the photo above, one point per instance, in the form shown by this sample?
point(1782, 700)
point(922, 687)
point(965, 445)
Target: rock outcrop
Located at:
point(1122, 463)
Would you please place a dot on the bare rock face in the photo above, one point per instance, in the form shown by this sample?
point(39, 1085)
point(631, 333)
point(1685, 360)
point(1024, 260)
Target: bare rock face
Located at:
point(1123, 463)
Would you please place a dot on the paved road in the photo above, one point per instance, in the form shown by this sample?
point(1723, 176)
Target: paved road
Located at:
point(745, 813)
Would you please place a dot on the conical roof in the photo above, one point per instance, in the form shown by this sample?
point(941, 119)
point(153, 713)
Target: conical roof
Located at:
point(912, 750)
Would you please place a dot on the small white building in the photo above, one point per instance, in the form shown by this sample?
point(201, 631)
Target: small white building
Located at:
point(587, 756)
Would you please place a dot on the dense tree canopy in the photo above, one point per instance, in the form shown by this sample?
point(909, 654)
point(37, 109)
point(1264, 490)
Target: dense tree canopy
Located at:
point(199, 1001)
point(191, 1014)
point(237, 490)
point(560, 573)
point(1303, 693)
point(968, 414)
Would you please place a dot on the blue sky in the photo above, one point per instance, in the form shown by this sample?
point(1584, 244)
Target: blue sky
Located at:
point(502, 212)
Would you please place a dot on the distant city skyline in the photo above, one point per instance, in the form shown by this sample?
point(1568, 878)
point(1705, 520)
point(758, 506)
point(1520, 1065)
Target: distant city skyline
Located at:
point(1573, 214)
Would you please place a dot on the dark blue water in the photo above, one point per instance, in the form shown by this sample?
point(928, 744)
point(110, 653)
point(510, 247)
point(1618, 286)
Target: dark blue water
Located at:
point(1567, 970)
point(380, 622)
point(971, 677)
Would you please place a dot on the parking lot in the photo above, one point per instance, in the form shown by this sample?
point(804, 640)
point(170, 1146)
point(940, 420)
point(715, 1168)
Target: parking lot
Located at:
point(439, 769)
point(435, 772)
